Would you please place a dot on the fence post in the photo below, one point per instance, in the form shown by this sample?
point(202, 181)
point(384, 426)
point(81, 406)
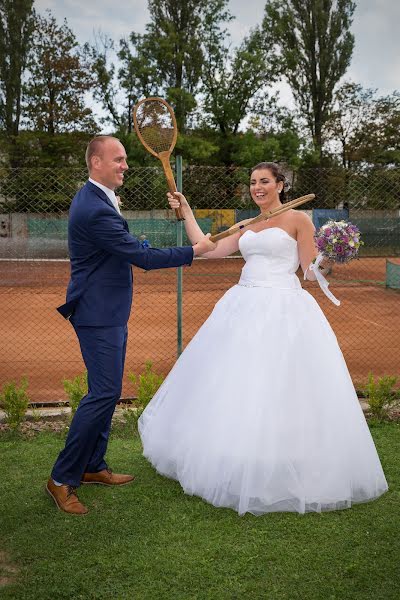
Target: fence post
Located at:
point(179, 242)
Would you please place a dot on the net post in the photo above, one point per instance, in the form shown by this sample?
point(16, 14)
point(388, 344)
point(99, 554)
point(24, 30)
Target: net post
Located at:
point(179, 242)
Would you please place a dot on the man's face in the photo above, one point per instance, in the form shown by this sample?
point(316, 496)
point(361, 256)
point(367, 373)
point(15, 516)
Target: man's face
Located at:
point(109, 166)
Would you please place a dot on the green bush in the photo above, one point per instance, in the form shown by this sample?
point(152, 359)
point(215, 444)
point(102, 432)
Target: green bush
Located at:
point(147, 383)
point(381, 395)
point(131, 415)
point(76, 389)
point(15, 401)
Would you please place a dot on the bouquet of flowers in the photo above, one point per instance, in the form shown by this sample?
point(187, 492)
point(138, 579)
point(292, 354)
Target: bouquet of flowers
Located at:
point(338, 240)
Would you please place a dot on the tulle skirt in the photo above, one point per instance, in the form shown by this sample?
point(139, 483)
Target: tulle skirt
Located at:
point(259, 413)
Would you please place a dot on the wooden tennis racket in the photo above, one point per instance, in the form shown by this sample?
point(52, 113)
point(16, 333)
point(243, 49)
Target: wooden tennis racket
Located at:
point(263, 216)
point(156, 128)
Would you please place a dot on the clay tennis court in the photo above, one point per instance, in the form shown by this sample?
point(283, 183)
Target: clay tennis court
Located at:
point(38, 343)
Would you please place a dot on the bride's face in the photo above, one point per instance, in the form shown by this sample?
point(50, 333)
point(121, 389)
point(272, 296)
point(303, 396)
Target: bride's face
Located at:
point(264, 188)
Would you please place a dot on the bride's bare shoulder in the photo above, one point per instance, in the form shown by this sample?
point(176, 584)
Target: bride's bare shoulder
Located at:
point(301, 218)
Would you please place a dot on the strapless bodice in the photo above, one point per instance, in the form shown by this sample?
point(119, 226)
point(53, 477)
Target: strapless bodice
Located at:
point(271, 259)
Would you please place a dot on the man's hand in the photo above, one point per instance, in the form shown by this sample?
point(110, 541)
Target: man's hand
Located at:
point(204, 246)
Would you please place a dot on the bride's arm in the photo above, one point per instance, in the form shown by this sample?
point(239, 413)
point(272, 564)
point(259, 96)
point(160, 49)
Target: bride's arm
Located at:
point(224, 247)
point(306, 246)
point(193, 230)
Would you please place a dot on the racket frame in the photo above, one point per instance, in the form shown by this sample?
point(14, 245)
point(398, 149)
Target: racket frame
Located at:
point(165, 155)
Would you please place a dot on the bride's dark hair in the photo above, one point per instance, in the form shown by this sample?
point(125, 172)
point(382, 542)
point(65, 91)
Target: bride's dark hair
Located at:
point(278, 174)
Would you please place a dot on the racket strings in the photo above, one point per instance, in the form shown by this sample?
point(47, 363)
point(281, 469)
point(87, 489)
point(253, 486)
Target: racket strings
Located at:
point(155, 125)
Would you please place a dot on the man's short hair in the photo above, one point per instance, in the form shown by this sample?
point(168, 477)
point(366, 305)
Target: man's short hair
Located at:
point(94, 148)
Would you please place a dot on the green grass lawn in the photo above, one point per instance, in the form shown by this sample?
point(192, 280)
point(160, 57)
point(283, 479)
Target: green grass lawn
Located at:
point(150, 541)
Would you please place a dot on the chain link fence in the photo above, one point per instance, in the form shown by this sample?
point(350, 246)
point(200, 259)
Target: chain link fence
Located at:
point(37, 343)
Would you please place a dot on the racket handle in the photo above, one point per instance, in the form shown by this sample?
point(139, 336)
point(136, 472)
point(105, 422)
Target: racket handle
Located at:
point(164, 157)
point(179, 214)
point(224, 234)
point(277, 211)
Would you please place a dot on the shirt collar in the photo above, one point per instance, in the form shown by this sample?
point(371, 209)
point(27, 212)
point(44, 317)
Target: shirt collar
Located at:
point(109, 193)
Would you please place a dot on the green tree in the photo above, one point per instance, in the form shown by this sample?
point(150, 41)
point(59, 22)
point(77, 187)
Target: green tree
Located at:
point(281, 145)
point(58, 80)
point(234, 84)
point(197, 148)
point(37, 149)
point(387, 150)
point(316, 46)
point(16, 29)
point(348, 123)
point(174, 35)
point(138, 75)
point(172, 48)
point(365, 126)
point(104, 86)
point(167, 59)
point(231, 84)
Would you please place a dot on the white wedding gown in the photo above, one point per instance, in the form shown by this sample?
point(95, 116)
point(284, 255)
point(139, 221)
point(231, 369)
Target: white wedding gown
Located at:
point(259, 413)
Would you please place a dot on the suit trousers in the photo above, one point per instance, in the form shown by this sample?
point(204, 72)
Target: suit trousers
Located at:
point(103, 351)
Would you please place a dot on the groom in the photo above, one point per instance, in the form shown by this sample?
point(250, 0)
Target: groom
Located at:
point(99, 298)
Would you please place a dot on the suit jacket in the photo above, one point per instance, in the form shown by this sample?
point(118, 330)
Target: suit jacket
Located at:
point(101, 252)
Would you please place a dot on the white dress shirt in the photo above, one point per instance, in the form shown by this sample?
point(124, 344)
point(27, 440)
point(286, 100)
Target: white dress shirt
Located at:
point(110, 193)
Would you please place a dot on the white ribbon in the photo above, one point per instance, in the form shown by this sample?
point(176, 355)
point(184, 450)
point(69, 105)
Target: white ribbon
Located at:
point(323, 283)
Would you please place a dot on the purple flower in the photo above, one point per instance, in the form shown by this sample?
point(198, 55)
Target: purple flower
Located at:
point(343, 233)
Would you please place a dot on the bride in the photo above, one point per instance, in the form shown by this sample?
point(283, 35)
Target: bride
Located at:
point(259, 413)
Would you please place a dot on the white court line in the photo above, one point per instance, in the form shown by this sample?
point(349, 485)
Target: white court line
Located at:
point(373, 323)
point(34, 259)
point(67, 259)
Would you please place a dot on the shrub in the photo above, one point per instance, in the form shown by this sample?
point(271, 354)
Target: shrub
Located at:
point(76, 389)
point(15, 401)
point(131, 416)
point(380, 395)
point(147, 383)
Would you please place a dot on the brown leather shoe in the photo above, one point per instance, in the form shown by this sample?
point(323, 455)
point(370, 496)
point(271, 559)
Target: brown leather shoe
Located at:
point(107, 477)
point(65, 498)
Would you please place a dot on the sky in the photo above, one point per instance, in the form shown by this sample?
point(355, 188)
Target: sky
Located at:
point(376, 57)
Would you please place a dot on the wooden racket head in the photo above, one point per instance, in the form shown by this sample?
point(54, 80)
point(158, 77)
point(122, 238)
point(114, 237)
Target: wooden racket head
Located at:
point(155, 125)
point(156, 128)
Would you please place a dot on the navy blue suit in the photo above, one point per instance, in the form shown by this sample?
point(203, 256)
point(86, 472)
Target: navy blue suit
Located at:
point(98, 304)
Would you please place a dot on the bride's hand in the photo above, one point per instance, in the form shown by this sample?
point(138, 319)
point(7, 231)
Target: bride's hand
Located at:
point(177, 200)
point(326, 263)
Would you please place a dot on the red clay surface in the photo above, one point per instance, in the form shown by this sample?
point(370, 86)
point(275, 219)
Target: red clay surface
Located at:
point(36, 342)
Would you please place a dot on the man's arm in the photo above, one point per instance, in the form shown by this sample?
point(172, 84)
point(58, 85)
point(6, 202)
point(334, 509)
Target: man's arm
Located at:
point(107, 232)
